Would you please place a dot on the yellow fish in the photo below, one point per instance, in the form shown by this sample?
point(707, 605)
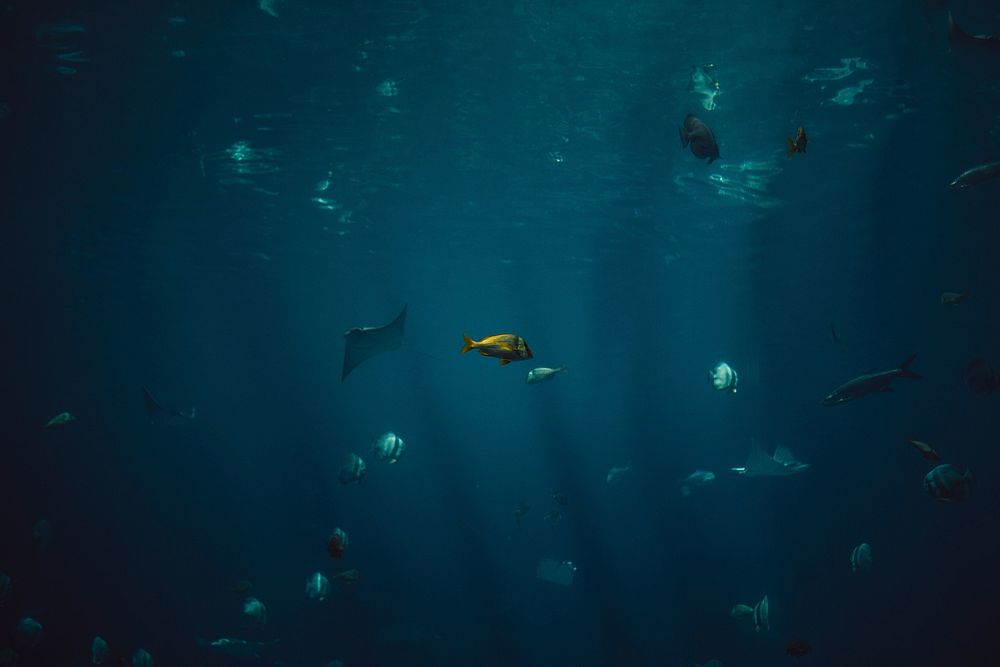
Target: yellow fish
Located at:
point(505, 347)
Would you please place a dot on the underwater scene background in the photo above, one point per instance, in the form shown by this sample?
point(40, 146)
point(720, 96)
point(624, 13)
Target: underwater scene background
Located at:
point(200, 198)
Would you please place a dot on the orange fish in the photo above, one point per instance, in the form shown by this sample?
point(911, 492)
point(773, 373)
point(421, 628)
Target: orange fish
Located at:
point(798, 145)
point(505, 347)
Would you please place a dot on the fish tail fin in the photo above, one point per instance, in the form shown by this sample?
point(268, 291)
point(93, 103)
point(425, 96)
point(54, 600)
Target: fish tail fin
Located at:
point(684, 137)
point(469, 344)
point(504, 362)
point(791, 147)
point(904, 368)
point(563, 368)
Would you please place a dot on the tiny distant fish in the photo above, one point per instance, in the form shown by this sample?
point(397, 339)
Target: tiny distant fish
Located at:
point(945, 482)
point(797, 648)
point(925, 450)
point(975, 176)
point(954, 298)
point(700, 137)
point(505, 347)
point(697, 478)
point(833, 334)
point(60, 419)
point(798, 144)
point(861, 558)
point(536, 375)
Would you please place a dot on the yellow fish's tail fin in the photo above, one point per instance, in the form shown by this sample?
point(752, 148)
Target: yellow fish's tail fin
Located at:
point(469, 344)
point(504, 362)
point(791, 147)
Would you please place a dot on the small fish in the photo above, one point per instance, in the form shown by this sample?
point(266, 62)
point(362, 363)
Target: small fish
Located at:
point(975, 176)
point(697, 478)
point(505, 347)
point(925, 450)
point(834, 336)
point(519, 512)
point(536, 375)
point(861, 558)
point(700, 137)
point(352, 469)
point(154, 408)
point(336, 544)
point(255, 611)
point(239, 648)
point(350, 576)
point(870, 383)
point(798, 145)
point(724, 377)
point(615, 475)
point(740, 610)
point(60, 419)
point(797, 648)
point(954, 298)
point(945, 482)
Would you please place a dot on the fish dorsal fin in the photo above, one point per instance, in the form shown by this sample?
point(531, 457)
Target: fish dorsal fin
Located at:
point(783, 455)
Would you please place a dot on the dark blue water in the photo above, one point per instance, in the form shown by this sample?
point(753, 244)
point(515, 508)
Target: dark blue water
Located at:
point(200, 198)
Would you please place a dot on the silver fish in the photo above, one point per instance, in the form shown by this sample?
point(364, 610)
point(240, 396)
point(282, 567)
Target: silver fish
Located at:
point(239, 648)
point(976, 175)
point(870, 383)
point(536, 375)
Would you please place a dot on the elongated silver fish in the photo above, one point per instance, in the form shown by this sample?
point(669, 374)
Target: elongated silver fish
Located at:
point(536, 375)
point(976, 175)
point(870, 383)
point(239, 648)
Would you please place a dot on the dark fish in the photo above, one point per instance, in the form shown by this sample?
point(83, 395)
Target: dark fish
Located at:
point(959, 37)
point(976, 175)
point(870, 383)
point(980, 377)
point(363, 343)
point(799, 144)
point(954, 298)
point(797, 648)
point(701, 139)
point(925, 450)
point(945, 482)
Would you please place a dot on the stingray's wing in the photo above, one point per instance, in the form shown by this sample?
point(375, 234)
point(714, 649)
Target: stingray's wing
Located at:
point(784, 456)
point(152, 407)
point(363, 343)
point(760, 463)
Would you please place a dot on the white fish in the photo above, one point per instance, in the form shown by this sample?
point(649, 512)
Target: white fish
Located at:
point(255, 610)
point(388, 447)
point(760, 613)
point(541, 374)
point(724, 377)
point(317, 587)
point(697, 478)
point(615, 475)
point(60, 419)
